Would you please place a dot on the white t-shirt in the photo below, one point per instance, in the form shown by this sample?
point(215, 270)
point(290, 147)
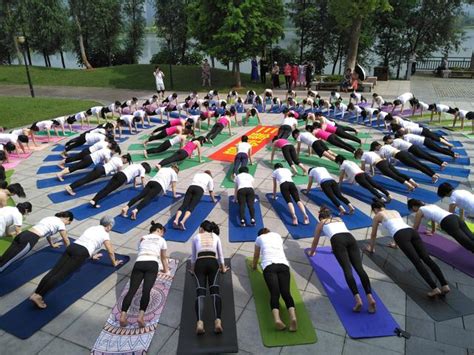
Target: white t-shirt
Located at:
point(414, 139)
point(112, 107)
point(127, 118)
point(320, 175)
point(195, 118)
point(80, 116)
point(101, 156)
point(93, 238)
point(356, 109)
point(434, 213)
point(98, 146)
point(113, 165)
point(150, 247)
point(442, 108)
point(370, 158)
point(290, 121)
point(370, 111)
point(243, 147)
point(463, 199)
point(336, 96)
point(139, 113)
point(382, 114)
point(8, 138)
point(405, 97)
point(271, 249)
point(401, 144)
point(244, 180)
point(415, 129)
point(379, 100)
point(351, 169)
point(159, 77)
point(282, 175)
point(342, 107)
point(423, 105)
point(176, 139)
point(356, 96)
point(92, 138)
point(133, 171)
point(96, 110)
point(165, 176)
point(49, 226)
point(10, 216)
point(462, 113)
point(307, 138)
point(17, 132)
point(43, 125)
point(204, 181)
point(60, 120)
point(387, 151)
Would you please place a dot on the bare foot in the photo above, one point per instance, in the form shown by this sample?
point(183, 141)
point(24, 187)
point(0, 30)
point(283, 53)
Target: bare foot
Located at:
point(445, 290)
point(134, 214)
point(444, 165)
point(38, 300)
point(123, 319)
point(413, 182)
point(280, 325)
point(218, 326)
point(306, 219)
point(175, 224)
point(295, 221)
point(293, 325)
point(435, 178)
point(351, 209)
point(372, 306)
point(61, 166)
point(434, 293)
point(200, 327)
point(125, 211)
point(357, 307)
point(141, 322)
point(145, 154)
point(181, 225)
point(64, 154)
point(60, 177)
point(69, 190)
point(342, 211)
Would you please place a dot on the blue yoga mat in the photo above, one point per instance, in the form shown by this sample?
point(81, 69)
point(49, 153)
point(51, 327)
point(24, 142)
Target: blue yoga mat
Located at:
point(419, 193)
point(357, 325)
point(449, 170)
point(48, 169)
point(125, 224)
point(63, 196)
point(53, 181)
point(60, 147)
point(457, 144)
point(26, 319)
point(200, 213)
point(29, 267)
point(115, 199)
point(248, 233)
point(281, 208)
point(53, 157)
point(365, 196)
point(353, 221)
point(424, 179)
point(175, 114)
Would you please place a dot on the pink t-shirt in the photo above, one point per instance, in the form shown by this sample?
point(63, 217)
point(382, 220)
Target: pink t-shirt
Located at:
point(280, 143)
point(223, 121)
point(175, 122)
point(189, 147)
point(296, 114)
point(171, 130)
point(209, 114)
point(330, 129)
point(319, 133)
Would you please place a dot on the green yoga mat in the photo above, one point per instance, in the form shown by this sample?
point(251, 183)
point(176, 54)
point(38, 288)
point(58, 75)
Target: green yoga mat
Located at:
point(6, 241)
point(315, 161)
point(228, 183)
point(43, 133)
point(270, 336)
point(140, 157)
point(253, 121)
point(471, 226)
point(186, 164)
point(299, 179)
point(139, 146)
point(221, 138)
point(468, 135)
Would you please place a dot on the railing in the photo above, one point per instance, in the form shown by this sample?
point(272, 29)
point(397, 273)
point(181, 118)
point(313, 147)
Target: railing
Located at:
point(434, 62)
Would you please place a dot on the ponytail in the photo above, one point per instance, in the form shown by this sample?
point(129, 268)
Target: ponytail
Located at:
point(156, 226)
point(210, 227)
point(24, 207)
point(127, 157)
point(324, 213)
point(16, 189)
point(263, 231)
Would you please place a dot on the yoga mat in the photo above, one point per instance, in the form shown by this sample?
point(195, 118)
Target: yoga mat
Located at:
point(228, 183)
point(53, 157)
point(126, 224)
point(249, 232)
point(357, 325)
point(60, 147)
point(113, 339)
point(53, 181)
point(88, 189)
point(270, 336)
point(29, 267)
point(53, 134)
point(141, 157)
point(397, 266)
point(450, 170)
point(200, 213)
point(353, 221)
point(470, 225)
point(208, 343)
point(299, 179)
point(424, 179)
point(252, 122)
point(281, 208)
point(187, 163)
point(221, 138)
point(48, 169)
point(59, 299)
point(424, 195)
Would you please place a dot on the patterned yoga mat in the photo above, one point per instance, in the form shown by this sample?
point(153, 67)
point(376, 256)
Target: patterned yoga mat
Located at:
point(133, 340)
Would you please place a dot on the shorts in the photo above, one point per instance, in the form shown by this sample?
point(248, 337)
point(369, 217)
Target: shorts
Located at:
point(160, 86)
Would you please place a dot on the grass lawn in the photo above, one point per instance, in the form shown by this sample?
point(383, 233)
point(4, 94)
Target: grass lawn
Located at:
point(140, 77)
point(20, 111)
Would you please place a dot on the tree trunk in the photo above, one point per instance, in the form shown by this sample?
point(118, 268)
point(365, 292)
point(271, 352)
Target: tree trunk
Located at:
point(340, 65)
point(303, 27)
point(62, 58)
point(49, 60)
point(213, 63)
point(45, 59)
point(84, 59)
point(9, 59)
point(238, 83)
point(233, 67)
point(337, 56)
point(354, 37)
point(27, 48)
point(399, 65)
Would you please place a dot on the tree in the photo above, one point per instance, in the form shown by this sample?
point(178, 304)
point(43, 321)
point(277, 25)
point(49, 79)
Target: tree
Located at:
point(11, 25)
point(134, 29)
point(302, 14)
point(77, 9)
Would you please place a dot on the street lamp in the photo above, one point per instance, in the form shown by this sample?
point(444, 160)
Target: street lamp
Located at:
point(21, 41)
point(168, 40)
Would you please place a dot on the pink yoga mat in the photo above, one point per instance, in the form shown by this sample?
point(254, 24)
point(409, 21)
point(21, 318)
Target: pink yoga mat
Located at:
point(15, 159)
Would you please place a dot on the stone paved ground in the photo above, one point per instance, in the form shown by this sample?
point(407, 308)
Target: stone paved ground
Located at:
point(76, 329)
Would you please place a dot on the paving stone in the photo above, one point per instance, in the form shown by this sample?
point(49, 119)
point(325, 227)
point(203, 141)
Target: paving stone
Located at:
point(162, 334)
point(448, 334)
point(12, 345)
point(67, 317)
point(322, 313)
point(420, 328)
point(60, 347)
point(355, 347)
point(418, 346)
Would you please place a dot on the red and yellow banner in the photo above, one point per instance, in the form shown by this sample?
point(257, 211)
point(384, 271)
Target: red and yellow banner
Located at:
point(258, 138)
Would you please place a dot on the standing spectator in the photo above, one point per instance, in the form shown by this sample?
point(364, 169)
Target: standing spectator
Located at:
point(294, 75)
point(263, 70)
point(254, 73)
point(160, 85)
point(302, 75)
point(275, 76)
point(287, 72)
point(354, 81)
point(206, 73)
point(309, 74)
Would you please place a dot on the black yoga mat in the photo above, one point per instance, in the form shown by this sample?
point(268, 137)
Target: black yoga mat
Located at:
point(208, 343)
point(397, 266)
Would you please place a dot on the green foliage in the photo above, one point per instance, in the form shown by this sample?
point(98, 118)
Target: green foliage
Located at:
point(134, 28)
point(346, 11)
point(164, 56)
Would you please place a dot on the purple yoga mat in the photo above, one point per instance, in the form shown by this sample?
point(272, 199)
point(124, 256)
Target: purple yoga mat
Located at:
point(357, 325)
point(450, 252)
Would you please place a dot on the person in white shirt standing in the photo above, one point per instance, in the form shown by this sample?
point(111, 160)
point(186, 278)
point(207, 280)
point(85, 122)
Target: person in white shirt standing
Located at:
point(160, 84)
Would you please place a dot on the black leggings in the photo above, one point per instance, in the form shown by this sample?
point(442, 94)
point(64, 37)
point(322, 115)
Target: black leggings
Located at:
point(288, 190)
point(423, 154)
point(117, 180)
point(389, 170)
point(75, 142)
point(160, 135)
point(95, 174)
point(161, 148)
point(409, 241)
point(241, 159)
point(284, 131)
point(430, 144)
point(428, 134)
point(246, 196)
point(206, 272)
point(277, 278)
point(346, 128)
point(457, 228)
point(21, 245)
point(333, 192)
point(161, 128)
point(343, 134)
point(72, 259)
point(335, 140)
point(149, 192)
point(346, 251)
point(289, 153)
point(177, 156)
point(145, 271)
point(319, 147)
point(84, 163)
point(409, 160)
point(368, 183)
point(79, 156)
point(215, 130)
point(191, 198)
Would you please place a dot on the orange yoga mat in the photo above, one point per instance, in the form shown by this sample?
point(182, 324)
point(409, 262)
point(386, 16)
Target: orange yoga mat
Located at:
point(258, 138)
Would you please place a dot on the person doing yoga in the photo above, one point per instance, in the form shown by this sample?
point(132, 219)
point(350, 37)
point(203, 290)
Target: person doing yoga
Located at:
point(107, 143)
point(243, 156)
point(388, 152)
point(345, 249)
point(207, 260)
point(410, 243)
point(421, 131)
point(169, 132)
point(11, 217)
point(401, 101)
point(244, 194)
point(351, 172)
point(26, 240)
point(151, 259)
point(167, 144)
point(85, 247)
point(185, 152)
point(6, 192)
point(159, 184)
point(276, 273)
point(88, 138)
point(372, 160)
point(338, 131)
point(221, 123)
point(330, 187)
point(288, 125)
point(251, 114)
point(175, 122)
point(422, 141)
point(289, 153)
point(313, 144)
point(449, 222)
point(331, 138)
point(131, 173)
point(113, 166)
point(283, 177)
point(462, 199)
point(201, 183)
